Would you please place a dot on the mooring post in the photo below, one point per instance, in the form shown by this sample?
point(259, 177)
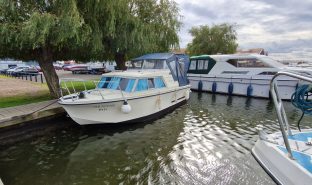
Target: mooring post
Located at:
point(41, 78)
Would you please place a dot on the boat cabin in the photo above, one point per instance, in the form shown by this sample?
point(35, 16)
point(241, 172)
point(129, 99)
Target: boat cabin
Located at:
point(233, 65)
point(176, 64)
point(131, 84)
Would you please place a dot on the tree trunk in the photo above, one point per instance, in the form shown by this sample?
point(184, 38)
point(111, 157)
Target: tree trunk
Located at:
point(46, 64)
point(120, 61)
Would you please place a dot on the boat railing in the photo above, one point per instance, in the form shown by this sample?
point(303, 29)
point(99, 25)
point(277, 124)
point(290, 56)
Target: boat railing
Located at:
point(67, 85)
point(281, 114)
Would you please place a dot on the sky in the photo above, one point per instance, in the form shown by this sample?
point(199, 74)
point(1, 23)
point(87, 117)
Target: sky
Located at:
point(275, 25)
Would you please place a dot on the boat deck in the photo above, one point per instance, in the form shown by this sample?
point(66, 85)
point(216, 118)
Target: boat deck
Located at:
point(301, 147)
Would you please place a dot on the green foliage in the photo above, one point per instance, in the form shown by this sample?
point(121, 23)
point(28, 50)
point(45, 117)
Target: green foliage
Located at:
point(27, 26)
point(86, 29)
point(212, 40)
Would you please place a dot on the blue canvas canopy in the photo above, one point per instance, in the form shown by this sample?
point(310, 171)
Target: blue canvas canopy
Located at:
point(178, 64)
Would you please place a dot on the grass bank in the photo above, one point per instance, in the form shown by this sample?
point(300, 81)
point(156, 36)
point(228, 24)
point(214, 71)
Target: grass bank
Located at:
point(42, 94)
point(24, 99)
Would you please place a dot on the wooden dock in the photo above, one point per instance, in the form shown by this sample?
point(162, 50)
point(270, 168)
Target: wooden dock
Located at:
point(26, 113)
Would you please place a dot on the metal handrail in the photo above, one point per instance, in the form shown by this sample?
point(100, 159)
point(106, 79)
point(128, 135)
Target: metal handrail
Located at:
point(281, 114)
point(71, 80)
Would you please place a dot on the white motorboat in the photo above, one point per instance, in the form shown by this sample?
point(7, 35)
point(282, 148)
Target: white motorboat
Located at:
point(287, 155)
point(244, 75)
point(153, 85)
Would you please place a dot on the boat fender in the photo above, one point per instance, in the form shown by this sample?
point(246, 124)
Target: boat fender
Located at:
point(230, 89)
point(214, 87)
point(126, 108)
point(249, 90)
point(200, 85)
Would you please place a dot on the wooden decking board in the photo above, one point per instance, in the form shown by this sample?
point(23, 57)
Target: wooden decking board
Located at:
point(15, 115)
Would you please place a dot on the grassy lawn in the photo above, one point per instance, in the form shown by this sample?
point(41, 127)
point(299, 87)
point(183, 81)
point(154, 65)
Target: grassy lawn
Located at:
point(23, 99)
point(41, 94)
point(3, 76)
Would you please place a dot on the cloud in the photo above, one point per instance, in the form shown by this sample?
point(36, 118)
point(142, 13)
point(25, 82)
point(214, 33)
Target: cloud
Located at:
point(279, 25)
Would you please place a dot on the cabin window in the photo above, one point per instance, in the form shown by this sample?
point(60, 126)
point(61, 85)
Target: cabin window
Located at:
point(114, 83)
point(151, 83)
point(130, 85)
point(193, 65)
point(153, 64)
point(234, 72)
point(248, 63)
point(159, 83)
point(136, 64)
point(142, 85)
point(267, 73)
point(125, 84)
point(202, 64)
point(199, 65)
point(103, 82)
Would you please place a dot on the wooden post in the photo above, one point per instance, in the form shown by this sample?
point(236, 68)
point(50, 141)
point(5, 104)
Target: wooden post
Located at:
point(41, 78)
point(30, 77)
point(26, 77)
point(36, 78)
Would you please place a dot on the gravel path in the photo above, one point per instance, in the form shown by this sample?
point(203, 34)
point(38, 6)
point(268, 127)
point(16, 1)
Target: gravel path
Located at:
point(12, 87)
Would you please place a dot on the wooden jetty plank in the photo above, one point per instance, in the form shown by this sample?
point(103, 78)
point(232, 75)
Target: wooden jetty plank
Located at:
point(24, 113)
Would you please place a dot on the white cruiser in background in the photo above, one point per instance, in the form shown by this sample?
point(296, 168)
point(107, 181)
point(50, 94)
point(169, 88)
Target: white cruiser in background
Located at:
point(153, 85)
point(245, 75)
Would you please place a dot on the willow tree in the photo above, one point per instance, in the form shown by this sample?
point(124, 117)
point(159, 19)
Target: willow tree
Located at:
point(44, 31)
point(143, 26)
point(51, 30)
point(212, 40)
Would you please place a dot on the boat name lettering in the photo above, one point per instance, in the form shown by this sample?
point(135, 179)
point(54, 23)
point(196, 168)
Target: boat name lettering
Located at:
point(104, 107)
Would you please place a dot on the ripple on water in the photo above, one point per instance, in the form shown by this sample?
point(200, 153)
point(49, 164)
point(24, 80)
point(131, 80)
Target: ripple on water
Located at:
point(207, 141)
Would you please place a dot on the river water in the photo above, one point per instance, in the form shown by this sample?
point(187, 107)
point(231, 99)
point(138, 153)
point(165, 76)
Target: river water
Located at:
point(206, 141)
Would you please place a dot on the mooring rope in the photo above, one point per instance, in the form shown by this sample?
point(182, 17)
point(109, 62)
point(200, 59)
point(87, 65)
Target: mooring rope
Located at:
point(300, 99)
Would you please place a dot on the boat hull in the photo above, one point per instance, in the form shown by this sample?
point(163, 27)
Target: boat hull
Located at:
point(260, 86)
point(142, 108)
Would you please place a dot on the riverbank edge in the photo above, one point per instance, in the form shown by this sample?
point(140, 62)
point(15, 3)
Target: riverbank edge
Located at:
point(17, 120)
point(25, 126)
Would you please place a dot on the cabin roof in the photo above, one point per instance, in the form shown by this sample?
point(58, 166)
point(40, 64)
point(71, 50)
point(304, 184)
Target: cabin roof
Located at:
point(200, 57)
point(139, 74)
point(155, 56)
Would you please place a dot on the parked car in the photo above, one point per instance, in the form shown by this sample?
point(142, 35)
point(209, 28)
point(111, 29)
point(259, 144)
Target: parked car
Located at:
point(19, 70)
point(38, 68)
point(11, 70)
point(32, 70)
point(3, 71)
point(66, 67)
point(57, 67)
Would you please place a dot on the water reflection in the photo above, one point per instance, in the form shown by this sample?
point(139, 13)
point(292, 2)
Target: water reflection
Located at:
point(207, 141)
point(229, 101)
point(248, 103)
